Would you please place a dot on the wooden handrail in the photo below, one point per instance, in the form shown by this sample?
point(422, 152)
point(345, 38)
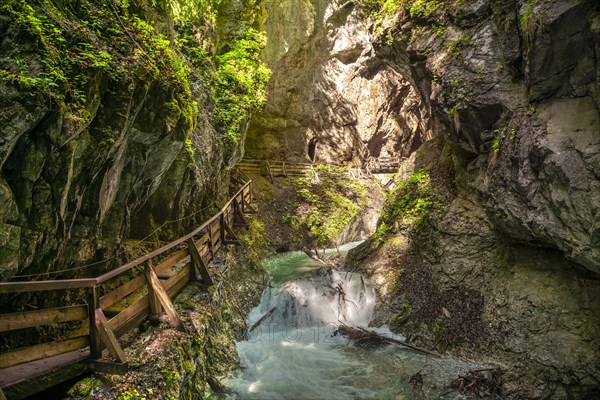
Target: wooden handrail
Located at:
point(38, 286)
point(141, 260)
point(273, 168)
point(61, 284)
point(104, 331)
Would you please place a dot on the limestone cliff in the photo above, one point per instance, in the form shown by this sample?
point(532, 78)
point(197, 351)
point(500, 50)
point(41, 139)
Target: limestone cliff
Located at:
point(333, 96)
point(117, 118)
point(507, 258)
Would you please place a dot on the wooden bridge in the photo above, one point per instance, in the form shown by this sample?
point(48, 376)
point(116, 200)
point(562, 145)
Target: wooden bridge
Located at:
point(112, 308)
point(270, 168)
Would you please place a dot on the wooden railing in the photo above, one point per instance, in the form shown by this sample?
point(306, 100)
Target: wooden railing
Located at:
point(274, 168)
point(271, 168)
point(110, 312)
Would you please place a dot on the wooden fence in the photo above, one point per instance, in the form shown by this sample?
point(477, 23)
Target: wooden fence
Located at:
point(270, 168)
point(110, 312)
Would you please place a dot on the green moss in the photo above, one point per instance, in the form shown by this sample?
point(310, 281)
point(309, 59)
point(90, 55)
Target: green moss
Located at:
point(171, 377)
point(239, 85)
point(407, 207)
point(499, 135)
point(74, 48)
point(455, 47)
point(328, 201)
point(424, 8)
point(84, 387)
point(379, 9)
point(255, 238)
point(135, 394)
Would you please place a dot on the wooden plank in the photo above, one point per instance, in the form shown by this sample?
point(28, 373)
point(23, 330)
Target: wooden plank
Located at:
point(199, 264)
point(109, 367)
point(183, 239)
point(108, 337)
point(28, 319)
point(40, 351)
point(203, 240)
point(37, 286)
point(269, 171)
point(155, 307)
point(250, 208)
point(215, 239)
point(26, 379)
point(231, 236)
point(21, 373)
point(159, 290)
point(215, 229)
point(142, 306)
point(122, 291)
point(126, 302)
point(210, 244)
point(173, 259)
point(180, 280)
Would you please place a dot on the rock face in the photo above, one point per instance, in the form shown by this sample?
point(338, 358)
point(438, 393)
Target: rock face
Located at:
point(332, 97)
point(512, 87)
point(140, 152)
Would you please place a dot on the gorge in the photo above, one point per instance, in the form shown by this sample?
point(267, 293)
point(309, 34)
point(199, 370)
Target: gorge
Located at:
point(122, 122)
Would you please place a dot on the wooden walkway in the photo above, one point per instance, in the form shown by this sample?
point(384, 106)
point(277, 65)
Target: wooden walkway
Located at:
point(113, 308)
point(270, 168)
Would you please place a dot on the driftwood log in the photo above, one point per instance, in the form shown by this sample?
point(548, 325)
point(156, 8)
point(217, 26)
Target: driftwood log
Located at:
point(366, 338)
point(316, 257)
point(261, 319)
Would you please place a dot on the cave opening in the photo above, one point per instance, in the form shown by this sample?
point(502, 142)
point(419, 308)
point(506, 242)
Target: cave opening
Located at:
point(312, 149)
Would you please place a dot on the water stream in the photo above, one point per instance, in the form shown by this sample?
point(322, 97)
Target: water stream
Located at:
point(295, 352)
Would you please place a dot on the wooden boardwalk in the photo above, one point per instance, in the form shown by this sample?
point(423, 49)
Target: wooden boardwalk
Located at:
point(271, 168)
point(111, 308)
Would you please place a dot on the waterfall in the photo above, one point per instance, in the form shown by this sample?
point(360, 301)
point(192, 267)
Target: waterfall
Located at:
point(294, 351)
point(326, 298)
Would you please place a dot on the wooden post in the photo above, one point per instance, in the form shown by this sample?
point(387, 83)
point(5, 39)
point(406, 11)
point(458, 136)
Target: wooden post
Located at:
point(222, 226)
point(239, 214)
point(233, 239)
point(283, 169)
point(250, 208)
point(165, 300)
point(108, 337)
point(269, 171)
point(155, 307)
point(198, 263)
point(95, 343)
point(210, 243)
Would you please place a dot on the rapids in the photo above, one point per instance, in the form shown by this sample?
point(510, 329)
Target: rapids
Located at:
point(295, 352)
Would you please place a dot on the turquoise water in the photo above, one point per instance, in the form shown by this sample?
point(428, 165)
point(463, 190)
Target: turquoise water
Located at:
point(295, 353)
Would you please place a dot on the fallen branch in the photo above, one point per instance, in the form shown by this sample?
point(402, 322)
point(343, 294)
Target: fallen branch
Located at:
point(257, 323)
point(315, 256)
point(367, 338)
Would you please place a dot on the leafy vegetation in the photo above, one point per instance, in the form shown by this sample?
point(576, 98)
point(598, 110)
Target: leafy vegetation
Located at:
point(239, 85)
point(379, 9)
point(77, 46)
point(70, 50)
point(328, 201)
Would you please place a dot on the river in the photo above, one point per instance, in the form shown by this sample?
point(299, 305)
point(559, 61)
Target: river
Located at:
point(295, 353)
